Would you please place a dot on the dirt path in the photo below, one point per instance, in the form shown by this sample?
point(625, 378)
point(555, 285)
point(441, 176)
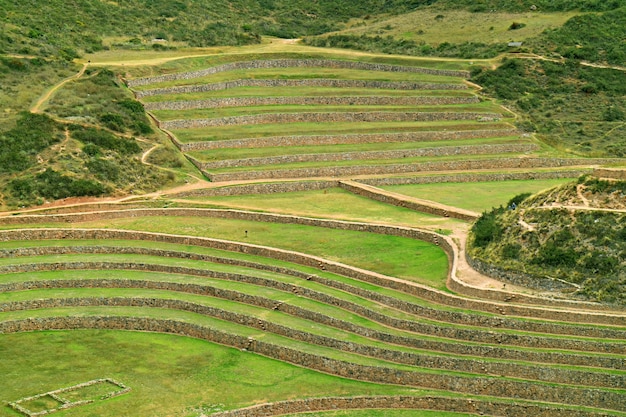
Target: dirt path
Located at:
point(579, 193)
point(36, 108)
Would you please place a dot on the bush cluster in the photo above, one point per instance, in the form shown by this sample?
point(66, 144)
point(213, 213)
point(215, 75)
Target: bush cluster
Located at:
point(53, 185)
point(590, 37)
point(391, 45)
point(104, 140)
point(19, 146)
point(100, 97)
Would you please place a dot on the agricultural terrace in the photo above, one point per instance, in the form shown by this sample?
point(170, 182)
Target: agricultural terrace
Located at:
point(304, 117)
point(342, 291)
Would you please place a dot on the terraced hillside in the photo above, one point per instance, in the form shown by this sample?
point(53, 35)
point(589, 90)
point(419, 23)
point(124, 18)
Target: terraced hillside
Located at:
point(344, 288)
point(304, 309)
point(299, 118)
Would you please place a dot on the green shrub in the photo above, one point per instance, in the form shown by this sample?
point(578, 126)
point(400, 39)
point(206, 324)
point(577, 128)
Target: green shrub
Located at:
point(517, 200)
point(517, 25)
point(53, 185)
point(113, 121)
point(487, 228)
point(511, 251)
point(32, 134)
point(104, 169)
point(105, 140)
point(613, 114)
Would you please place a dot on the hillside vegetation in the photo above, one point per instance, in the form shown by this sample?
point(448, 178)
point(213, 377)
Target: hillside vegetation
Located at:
point(89, 142)
point(564, 233)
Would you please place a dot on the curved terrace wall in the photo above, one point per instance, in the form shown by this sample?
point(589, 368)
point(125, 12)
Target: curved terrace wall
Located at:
point(332, 117)
point(299, 140)
point(425, 360)
point(450, 404)
point(294, 63)
point(491, 386)
point(308, 101)
point(414, 289)
point(475, 177)
point(262, 188)
point(309, 82)
point(460, 334)
point(371, 155)
point(296, 186)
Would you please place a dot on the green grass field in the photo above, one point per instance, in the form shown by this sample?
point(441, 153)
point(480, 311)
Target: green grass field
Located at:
point(394, 255)
point(308, 73)
point(168, 375)
point(306, 92)
point(434, 26)
point(479, 196)
point(242, 153)
point(165, 115)
point(333, 203)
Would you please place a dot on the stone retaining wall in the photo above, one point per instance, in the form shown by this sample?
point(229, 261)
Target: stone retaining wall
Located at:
point(309, 82)
point(521, 279)
point(475, 335)
point(616, 174)
point(303, 259)
point(297, 186)
point(373, 155)
point(475, 177)
point(346, 139)
point(308, 101)
point(293, 63)
point(330, 117)
point(433, 209)
point(454, 165)
point(449, 404)
point(263, 188)
point(481, 385)
point(424, 360)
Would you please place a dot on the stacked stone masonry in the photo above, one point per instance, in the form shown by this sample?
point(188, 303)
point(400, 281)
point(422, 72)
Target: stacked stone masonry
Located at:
point(373, 155)
point(476, 385)
point(334, 117)
point(346, 139)
point(449, 404)
point(519, 278)
point(309, 101)
point(469, 365)
point(315, 82)
point(612, 173)
point(377, 279)
point(476, 177)
point(297, 186)
point(293, 63)
point(475, 335)
point(454, 165)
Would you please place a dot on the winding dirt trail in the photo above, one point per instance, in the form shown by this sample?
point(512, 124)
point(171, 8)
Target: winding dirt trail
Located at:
point(36, 108)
